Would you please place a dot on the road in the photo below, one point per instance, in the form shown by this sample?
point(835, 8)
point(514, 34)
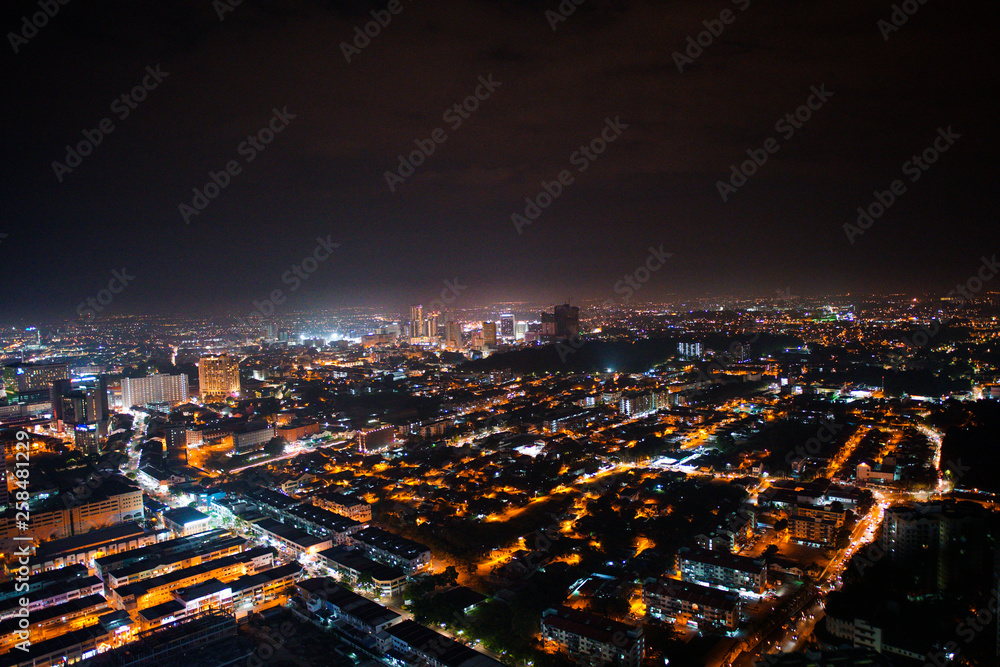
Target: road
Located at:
point(776, 631)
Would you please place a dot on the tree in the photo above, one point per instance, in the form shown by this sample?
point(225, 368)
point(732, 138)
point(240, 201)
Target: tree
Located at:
point(275, 446)
point(449, 577)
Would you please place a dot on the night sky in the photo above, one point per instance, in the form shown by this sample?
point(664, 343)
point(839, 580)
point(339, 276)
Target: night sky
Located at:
point(655, 183)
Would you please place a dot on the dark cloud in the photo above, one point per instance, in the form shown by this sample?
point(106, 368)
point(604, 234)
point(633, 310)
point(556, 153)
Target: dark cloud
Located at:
point(655, 184)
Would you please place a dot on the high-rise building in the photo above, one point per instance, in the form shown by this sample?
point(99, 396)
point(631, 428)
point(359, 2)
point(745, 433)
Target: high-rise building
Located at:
point(453, 334)
point(947, 539)
point(20, 378)
point(218, 377)
point(416, 321)
point(507, 327)
point(158, 388)
point(82, 405)
point(520, 328)
point(490, 334)
point(431, 325)
point(561, 324)
point(689, 350)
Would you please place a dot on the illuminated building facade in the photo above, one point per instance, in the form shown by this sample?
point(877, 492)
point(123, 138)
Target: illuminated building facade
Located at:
point(218, 378)
point(158, 388)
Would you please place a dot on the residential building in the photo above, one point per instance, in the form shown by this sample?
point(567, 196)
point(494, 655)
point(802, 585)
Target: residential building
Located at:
point(592, 638)
point(155, 389)
point(721, 569)
point(699, 606)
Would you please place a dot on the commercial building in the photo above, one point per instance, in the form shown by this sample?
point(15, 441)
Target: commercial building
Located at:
point(416, 321)
point(561, 324)
point(113, 502)
point(298, 430)
point(168, 555)
point(722, 569)
point(48, 589)
point(218, 378)
point(882, 473)
point(154, 389)
point(418, 645)
point(323, 522)
point(375, 439)
point(95, 544)
point(184, 521)
point(175, 442)
point(82, 407)
point(507, 327)
point(349, 506)
point(490, 334)
point(691, 604)
point(593, 639)
point(352, 565)
point(337, 605)
point(157, 590)
point(289, 538)
point(159, 562)
point(394, 550)
point(22, 378)
point(52, 621)
point(251, 436)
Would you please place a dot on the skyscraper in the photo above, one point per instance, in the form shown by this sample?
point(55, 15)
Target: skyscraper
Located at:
point(561, 324)
point(83, 406)
point(218, 377)
point(507, 327)
point(453, 334)
point(431, 325)
point(490, 334)
point(416, 321)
